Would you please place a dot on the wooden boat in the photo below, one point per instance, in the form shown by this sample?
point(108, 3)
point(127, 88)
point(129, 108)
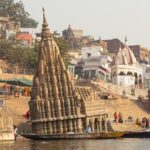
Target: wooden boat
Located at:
point(137, 134)
point(101, 135)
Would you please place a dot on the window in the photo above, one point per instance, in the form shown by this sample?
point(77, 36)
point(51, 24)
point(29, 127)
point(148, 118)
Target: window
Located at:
point(86, 74)
point(93, 73)
point(88, 55)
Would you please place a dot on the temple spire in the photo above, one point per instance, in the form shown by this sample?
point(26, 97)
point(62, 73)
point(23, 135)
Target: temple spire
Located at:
point(45, 29)
point(126, 40)
point(44, 18)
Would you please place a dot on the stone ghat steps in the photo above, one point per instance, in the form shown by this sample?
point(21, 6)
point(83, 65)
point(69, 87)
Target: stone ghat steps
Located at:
point(126, 126)
point(118, 90)
point(95, 108)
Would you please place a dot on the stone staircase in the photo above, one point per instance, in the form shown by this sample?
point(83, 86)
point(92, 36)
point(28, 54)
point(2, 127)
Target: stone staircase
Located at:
point(118, 90)
point(127, 126)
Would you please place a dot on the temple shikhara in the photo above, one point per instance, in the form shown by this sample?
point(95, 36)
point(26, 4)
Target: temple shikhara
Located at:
point(126, 70)
point(58, 106)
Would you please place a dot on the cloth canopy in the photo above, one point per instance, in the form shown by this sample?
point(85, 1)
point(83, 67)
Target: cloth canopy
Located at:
point(18, 81)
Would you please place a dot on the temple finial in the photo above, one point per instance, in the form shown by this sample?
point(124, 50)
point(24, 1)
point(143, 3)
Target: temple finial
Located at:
point(126, 40)
point(45, 29)
point(44, 18)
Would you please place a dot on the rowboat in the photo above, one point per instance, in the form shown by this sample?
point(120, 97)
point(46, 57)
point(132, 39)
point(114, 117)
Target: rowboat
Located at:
point(101, 135)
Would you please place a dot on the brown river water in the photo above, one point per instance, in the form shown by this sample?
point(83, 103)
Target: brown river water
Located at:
point(117, 144)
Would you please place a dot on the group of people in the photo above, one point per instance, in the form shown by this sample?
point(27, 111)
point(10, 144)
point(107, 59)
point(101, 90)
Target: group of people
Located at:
point(16, 90)
point(144, 123)
point(118, 118)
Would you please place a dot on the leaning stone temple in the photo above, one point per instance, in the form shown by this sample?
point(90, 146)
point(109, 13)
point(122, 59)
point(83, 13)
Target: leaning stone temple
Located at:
point(57, 106)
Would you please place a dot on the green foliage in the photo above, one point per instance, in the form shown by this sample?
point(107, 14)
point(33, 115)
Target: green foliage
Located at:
point(26, 57)
point(17, 12)
point(17, 55)
point(28, 23)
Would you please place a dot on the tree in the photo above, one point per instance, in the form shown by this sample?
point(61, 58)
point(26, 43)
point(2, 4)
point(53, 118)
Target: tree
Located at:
point(26, 57)
point(17, 12)
point(28, 22)
point(17, 55)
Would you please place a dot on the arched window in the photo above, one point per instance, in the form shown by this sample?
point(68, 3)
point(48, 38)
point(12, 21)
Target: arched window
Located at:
point(129, 73)
point(122, 73)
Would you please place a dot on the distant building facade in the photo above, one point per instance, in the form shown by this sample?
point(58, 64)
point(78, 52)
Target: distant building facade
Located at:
point(72, 33)
point(93, 51)
point(147, 78)
point(25, 39)
point(142, 54)
point(113, 45)
point(31, 31)
point(8, 28)
point(93, 64)
point(75, 38)
point(3, 27)
point(146, 75)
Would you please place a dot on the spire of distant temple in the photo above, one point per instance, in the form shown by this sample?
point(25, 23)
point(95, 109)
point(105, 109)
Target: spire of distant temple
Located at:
point(126, 40)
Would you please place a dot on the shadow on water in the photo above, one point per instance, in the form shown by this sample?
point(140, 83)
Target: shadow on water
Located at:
point(118, 144)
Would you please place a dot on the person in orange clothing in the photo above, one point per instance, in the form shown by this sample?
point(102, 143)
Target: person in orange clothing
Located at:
point(25, 91)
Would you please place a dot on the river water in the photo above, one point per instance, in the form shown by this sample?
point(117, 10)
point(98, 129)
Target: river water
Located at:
point(117, 144)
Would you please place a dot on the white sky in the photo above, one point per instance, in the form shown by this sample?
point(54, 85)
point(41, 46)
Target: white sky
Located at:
point(106, 18)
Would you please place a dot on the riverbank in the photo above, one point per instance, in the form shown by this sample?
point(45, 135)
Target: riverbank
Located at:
point(19, 106)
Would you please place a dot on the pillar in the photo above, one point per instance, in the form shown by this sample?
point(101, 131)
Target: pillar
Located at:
point(79, 125)
point(49, 127)
point(105, 124)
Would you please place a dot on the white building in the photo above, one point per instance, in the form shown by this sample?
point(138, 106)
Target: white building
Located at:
point(88, 52)
point(95, 66)
point(146, 75)
point(126, 70)
point(31, 31)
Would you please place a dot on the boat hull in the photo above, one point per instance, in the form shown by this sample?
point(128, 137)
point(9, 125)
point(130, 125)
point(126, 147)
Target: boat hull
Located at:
point(141, 134)
point(102, 135)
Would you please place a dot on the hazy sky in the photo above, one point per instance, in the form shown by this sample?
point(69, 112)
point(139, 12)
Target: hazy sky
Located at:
point(106, 18)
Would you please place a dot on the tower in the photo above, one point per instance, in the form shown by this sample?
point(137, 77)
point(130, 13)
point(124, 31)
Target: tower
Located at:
point(54, 103)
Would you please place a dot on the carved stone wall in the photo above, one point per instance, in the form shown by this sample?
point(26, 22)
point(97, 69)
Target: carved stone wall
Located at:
point(55, 106)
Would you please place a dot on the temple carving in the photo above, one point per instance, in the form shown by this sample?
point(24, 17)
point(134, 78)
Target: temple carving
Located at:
point(57, 105)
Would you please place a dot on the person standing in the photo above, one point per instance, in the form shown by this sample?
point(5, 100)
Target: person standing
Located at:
point(120, 120)
point(15, 132)
point(115, 117)
point(124, 94)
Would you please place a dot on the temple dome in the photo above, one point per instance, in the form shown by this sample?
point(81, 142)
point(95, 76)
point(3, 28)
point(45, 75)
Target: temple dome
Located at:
point(125, 57)
point(120, 58)
point(129, 55)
